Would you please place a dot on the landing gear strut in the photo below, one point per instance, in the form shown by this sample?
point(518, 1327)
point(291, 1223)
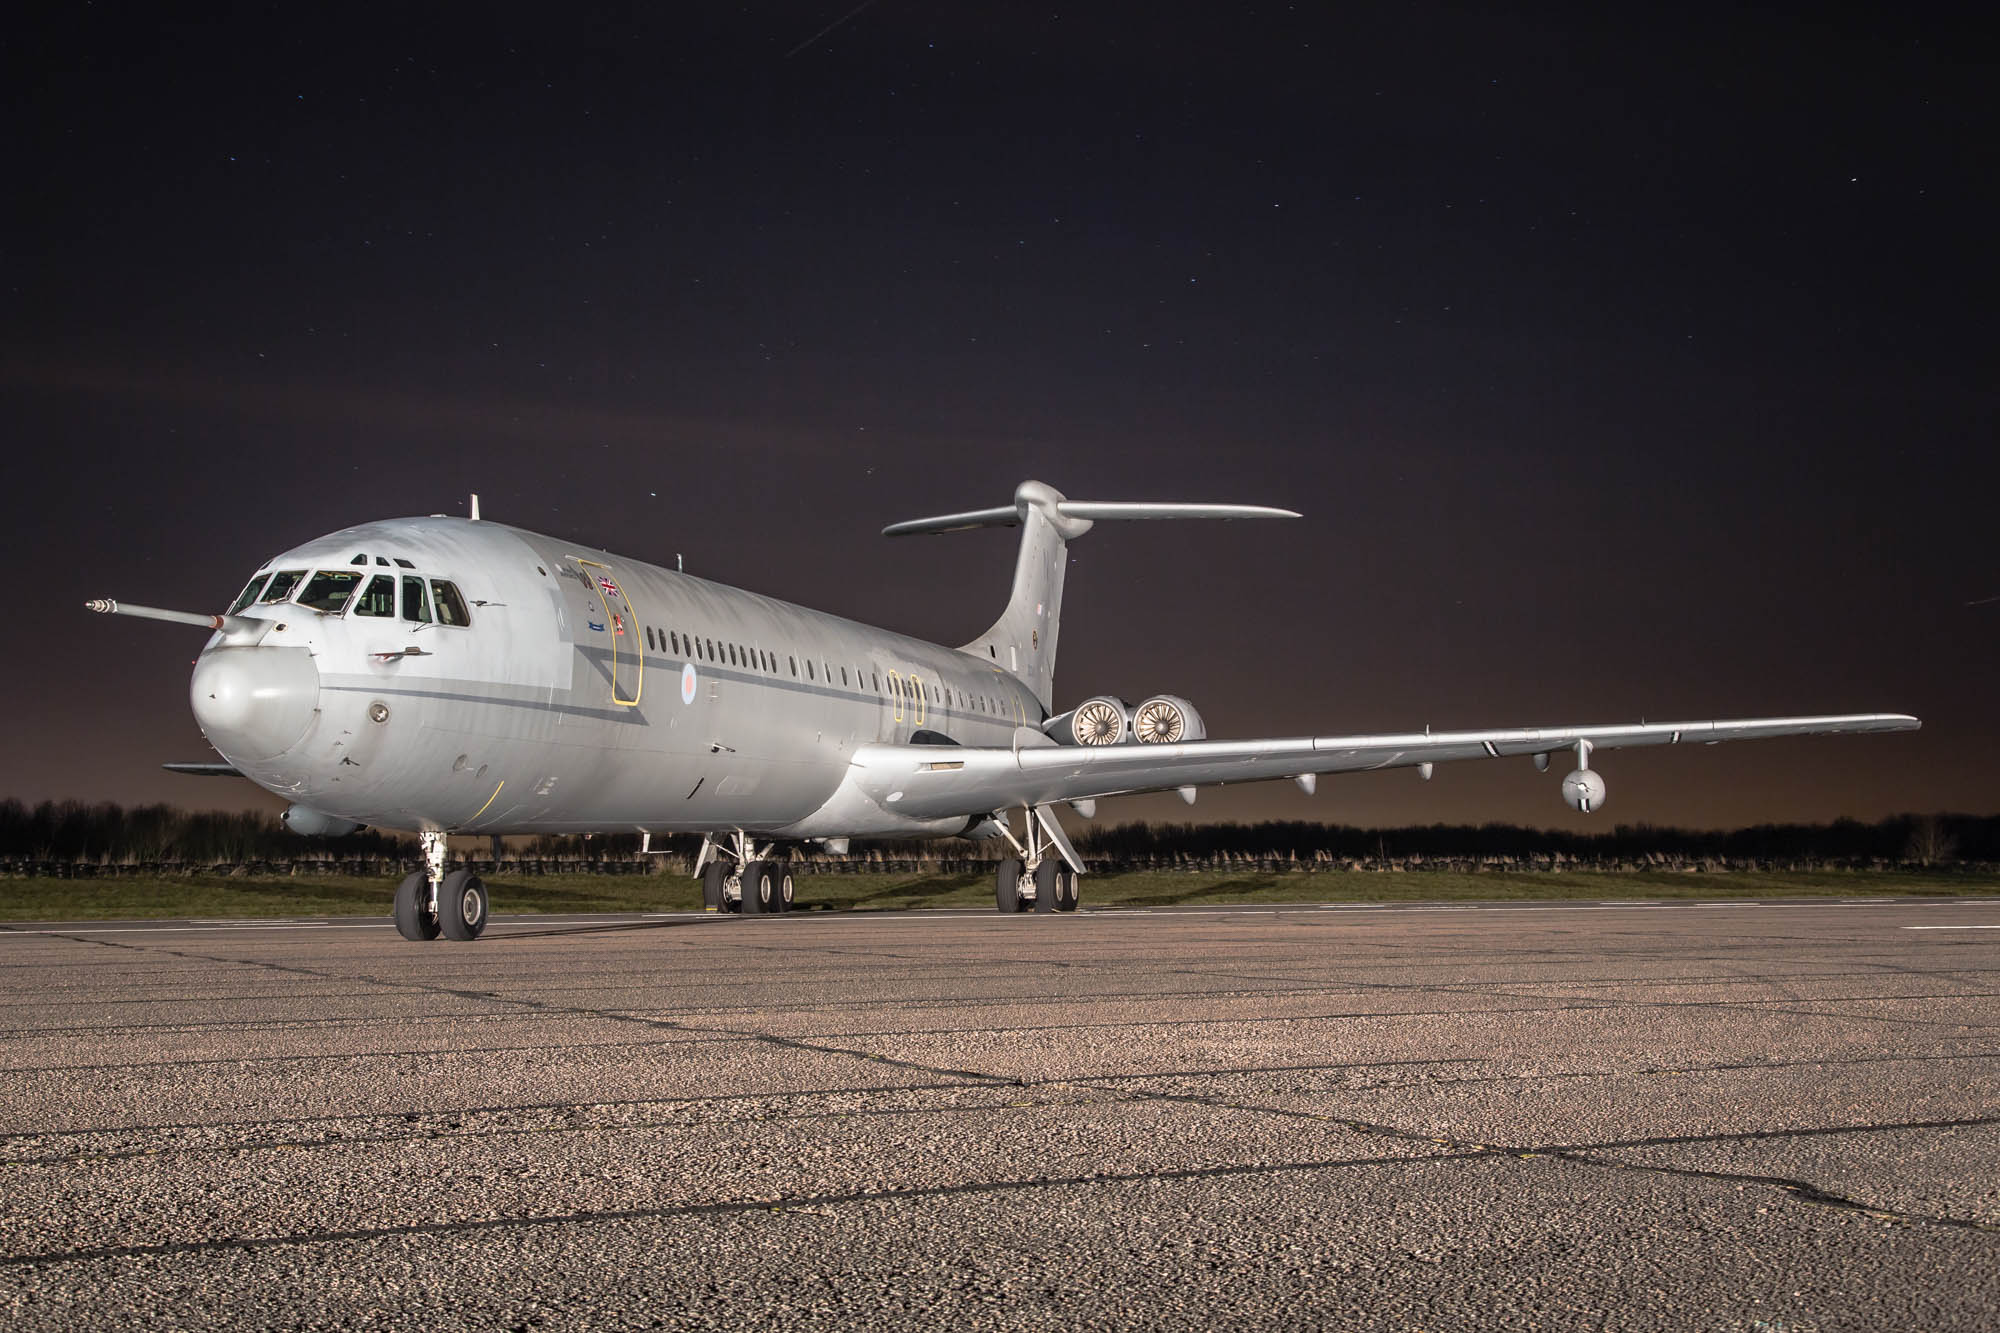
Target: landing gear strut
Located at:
point(1040, 877)
point(756, 885)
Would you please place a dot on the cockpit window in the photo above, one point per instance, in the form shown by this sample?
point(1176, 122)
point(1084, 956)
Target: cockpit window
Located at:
point(282, 584)
point(250, 592)
point(416, 602)
point(450, 606)
point(378, 598)
point(329, 589)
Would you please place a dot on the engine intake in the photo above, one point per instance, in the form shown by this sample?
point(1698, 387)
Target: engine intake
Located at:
point(1166, 719)
point(1103, 719)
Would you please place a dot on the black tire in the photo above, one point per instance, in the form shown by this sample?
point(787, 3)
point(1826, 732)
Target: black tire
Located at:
point(781, 886)
point(414, 918)
point(1045, 884)
point(756, 888)
point(711, 887)
point(1066, 890)
point(1007, 887)
point(462, 905)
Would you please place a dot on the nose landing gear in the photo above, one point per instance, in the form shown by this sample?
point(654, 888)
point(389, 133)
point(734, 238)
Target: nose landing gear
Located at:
point(430, 903)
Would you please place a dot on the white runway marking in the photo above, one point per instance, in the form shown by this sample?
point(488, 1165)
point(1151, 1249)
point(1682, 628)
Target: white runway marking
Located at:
point(1951, 927)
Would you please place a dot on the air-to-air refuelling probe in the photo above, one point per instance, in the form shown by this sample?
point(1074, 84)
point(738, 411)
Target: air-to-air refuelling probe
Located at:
point(445, 675)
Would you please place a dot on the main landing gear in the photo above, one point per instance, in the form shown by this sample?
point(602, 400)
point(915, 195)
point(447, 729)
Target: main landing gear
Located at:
point(430, 902)
point(1040, 878)
point(736, 876)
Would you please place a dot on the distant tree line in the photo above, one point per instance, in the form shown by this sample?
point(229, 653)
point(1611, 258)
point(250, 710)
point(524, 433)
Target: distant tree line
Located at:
point(55, 834)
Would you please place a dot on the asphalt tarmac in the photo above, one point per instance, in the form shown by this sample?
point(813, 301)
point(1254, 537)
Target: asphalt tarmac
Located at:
point(1767, 1117)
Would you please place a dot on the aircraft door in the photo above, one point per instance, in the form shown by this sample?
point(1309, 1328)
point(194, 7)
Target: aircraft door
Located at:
point(620, 627)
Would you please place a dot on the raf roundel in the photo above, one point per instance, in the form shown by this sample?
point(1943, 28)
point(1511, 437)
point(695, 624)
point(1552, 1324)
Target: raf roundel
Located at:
point(687, 682)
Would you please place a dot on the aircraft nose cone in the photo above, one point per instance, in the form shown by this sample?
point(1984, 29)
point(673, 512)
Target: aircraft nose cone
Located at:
point(254, 703)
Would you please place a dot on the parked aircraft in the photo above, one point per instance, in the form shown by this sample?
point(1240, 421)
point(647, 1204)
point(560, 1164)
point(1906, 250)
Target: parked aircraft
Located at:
point(457, 676)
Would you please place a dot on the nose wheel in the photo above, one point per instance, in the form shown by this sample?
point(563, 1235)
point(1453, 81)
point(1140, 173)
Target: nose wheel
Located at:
point(415, 920)
point(461, 910)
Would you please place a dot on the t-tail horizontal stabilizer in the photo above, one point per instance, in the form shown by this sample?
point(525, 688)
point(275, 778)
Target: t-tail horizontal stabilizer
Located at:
point(1023, 640)
point(1088, 511)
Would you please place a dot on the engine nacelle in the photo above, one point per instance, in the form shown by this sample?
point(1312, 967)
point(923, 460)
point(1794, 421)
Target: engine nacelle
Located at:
point(1584, 790)
point(1166, 719)
point(312, 823)
point(1102, 719)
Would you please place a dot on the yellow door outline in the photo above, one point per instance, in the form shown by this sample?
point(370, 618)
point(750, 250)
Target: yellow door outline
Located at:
point(917, 687)
point(896, 693)
point(620, 627)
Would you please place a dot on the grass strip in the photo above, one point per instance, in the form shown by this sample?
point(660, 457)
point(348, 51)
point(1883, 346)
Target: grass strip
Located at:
point(248, 896)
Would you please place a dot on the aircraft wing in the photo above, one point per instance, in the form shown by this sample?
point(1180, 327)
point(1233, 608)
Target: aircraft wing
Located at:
point(937, 781)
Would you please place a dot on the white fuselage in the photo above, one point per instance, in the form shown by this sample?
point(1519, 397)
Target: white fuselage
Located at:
point(589, 692)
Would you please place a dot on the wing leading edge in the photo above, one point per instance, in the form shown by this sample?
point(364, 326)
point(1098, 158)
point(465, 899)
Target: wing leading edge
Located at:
point(933, 782)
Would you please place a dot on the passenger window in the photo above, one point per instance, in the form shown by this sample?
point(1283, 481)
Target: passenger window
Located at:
point(282, 584)
point(732, 655)
point(650, 646)
point(416, 602)
point(378, 598)
point(329, 589)
point(809, 670)
point(878, 681)
point(795, 666)
point(675, 639)
point(249, 592)
point(843, 675)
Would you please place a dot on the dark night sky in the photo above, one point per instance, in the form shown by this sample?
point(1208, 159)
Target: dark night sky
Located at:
point(1622, 365)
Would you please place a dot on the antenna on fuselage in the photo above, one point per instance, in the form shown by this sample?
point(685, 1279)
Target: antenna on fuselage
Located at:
point(475, 506)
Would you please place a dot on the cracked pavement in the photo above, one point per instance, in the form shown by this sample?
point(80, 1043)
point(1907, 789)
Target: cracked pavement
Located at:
point(1742, 1116)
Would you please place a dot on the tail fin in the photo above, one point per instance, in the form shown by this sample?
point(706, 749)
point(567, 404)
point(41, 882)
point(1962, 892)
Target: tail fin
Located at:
point(1023, 640)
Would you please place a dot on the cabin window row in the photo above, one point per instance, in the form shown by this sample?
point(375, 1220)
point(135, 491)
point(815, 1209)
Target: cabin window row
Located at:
point(758, 659)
